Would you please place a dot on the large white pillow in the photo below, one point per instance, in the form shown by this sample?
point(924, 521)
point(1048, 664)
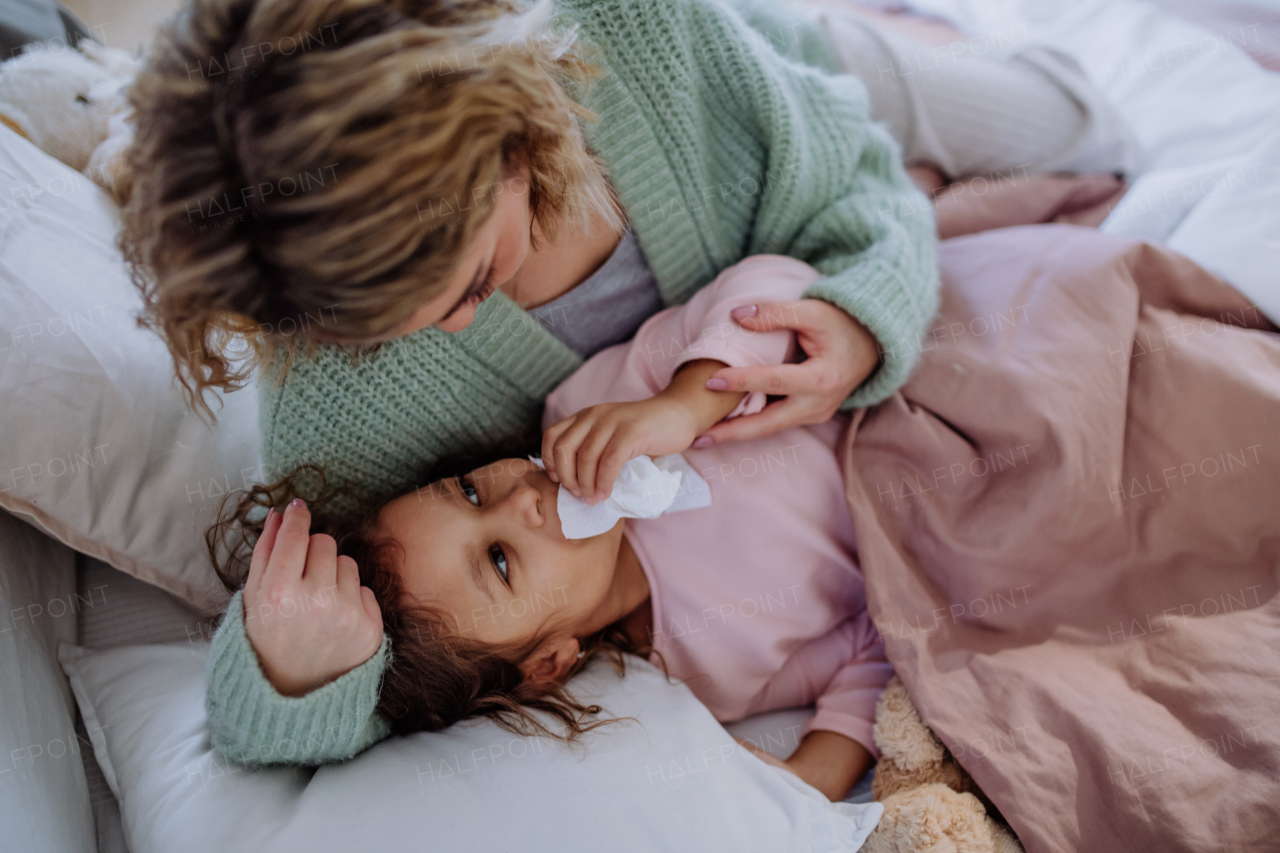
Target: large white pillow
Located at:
point(676, 782)
point(99, 449)
point(44, 798)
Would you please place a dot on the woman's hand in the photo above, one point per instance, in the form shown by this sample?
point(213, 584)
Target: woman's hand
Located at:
point(305, 613)
point(842, 354)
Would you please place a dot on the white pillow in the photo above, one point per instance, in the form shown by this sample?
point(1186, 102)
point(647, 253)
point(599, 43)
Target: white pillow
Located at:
point(677, 782)
point(99, 449)
point(44, 804)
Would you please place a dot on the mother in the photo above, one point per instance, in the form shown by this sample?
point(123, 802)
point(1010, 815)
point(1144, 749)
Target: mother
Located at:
point(367, 172)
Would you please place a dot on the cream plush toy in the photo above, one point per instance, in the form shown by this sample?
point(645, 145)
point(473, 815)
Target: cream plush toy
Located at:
point(71, 104)
point(929, 801)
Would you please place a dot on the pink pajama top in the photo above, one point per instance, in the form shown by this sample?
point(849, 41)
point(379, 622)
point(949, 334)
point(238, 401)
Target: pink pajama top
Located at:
point(758, 600)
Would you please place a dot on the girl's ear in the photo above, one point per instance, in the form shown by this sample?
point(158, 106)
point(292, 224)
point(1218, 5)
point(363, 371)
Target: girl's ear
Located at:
point(552, 660)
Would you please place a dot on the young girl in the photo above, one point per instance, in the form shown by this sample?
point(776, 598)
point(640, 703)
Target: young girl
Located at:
point(755, 601)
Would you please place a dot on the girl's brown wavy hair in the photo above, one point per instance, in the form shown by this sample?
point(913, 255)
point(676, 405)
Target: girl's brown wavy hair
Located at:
point(325, 163)
point(436, 677)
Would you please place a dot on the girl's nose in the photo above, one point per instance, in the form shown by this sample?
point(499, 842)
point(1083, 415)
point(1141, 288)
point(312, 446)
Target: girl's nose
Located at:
point(523, 500)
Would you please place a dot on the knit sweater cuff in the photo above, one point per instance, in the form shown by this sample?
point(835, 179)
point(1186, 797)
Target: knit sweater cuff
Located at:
point(894, 313)
point(251, 723)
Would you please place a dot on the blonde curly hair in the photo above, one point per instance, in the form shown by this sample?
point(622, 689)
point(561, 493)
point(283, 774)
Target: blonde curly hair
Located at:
point(325, 163)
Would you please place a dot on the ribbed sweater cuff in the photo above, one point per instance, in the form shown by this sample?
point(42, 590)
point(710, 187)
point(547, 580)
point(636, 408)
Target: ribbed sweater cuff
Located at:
point(893, 311)
point(251, 723)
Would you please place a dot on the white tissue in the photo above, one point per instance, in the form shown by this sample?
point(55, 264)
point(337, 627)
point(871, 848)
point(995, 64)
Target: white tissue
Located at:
point(646, 488)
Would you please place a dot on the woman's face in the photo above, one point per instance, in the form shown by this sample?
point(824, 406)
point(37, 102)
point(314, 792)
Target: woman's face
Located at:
point(487, 549)
point(494, 256)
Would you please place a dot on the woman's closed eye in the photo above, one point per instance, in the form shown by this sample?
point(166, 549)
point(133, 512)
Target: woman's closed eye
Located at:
point(483, 292)
point(497, 556)
point(475, 294)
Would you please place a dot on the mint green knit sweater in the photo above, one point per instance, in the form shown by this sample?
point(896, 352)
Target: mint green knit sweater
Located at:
point(728, 132)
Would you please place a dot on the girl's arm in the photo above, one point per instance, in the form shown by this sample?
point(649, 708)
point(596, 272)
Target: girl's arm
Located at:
point(830, 762)
point(590, 448)
point(837, 745)
point(649, 395)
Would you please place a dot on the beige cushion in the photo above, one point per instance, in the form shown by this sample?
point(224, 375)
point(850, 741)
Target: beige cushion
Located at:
point(99, 450)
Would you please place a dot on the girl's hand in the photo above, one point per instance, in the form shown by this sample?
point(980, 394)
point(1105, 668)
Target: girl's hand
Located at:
point(305, 612)
point(766, 757)
point(842, 354)
point(830, 762)
point(585, 452)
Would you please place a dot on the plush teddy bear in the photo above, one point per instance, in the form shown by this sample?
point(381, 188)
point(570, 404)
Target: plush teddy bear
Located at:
point(931, 805)
point(71, 104)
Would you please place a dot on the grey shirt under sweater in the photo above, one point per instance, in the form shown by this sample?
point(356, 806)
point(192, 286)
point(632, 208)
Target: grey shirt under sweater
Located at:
point(607, 307)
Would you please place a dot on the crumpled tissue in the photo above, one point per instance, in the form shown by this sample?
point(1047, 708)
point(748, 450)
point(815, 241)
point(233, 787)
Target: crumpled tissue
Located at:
point(646, 488)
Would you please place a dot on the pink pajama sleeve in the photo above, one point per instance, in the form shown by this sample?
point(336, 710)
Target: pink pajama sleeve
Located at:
point(848, 704)
point(846, 670)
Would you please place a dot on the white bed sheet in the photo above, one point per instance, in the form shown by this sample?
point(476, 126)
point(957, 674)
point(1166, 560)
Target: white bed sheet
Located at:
point(1206, 113)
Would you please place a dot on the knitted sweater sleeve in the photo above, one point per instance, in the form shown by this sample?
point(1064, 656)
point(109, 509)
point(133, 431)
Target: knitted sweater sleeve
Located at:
point(250, 723)
point(835, 193)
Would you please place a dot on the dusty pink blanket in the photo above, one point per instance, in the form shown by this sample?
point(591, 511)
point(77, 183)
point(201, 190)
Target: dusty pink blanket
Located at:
point(1069, 521)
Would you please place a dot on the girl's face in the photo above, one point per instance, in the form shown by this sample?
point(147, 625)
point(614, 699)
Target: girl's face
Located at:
point(487, 549)
point(493, 258)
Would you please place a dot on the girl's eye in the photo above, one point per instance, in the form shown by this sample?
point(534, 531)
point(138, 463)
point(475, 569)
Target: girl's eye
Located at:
point(496, 555)
point(468, 489)
point(499, 559)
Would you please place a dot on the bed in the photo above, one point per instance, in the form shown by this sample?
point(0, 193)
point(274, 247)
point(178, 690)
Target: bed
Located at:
point(106, 483)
